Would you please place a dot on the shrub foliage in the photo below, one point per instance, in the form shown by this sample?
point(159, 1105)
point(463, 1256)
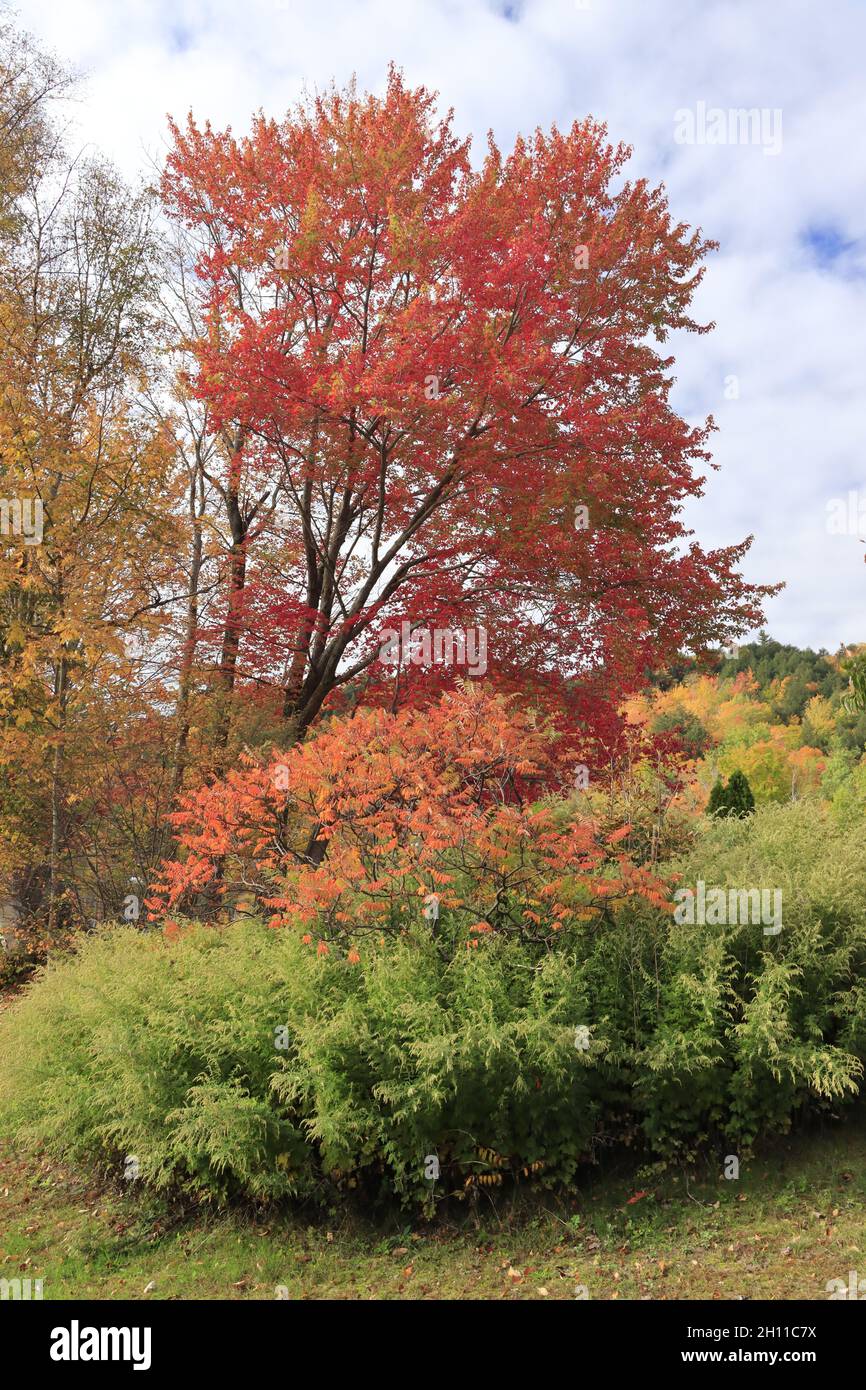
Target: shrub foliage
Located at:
point(243, 1060)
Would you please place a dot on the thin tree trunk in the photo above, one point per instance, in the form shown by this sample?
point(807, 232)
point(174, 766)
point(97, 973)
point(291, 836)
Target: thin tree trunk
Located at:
point(225, 683)
point(60, 692)
point(190, 639)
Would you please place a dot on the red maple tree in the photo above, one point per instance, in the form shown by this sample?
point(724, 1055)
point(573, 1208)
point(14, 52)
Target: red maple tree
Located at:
point(450, 408)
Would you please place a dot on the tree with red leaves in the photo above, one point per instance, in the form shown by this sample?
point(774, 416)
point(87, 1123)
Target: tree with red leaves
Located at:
point(451, 412)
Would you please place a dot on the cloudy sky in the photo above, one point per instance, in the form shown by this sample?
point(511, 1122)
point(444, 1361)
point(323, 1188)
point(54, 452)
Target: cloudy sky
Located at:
point(784, 371)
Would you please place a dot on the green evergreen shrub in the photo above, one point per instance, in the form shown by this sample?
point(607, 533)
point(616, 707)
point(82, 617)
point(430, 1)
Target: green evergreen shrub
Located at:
point(238, 1061)
point(735, 799)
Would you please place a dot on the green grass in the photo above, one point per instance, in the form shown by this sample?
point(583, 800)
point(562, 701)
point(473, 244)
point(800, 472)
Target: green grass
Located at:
point(795, 1218)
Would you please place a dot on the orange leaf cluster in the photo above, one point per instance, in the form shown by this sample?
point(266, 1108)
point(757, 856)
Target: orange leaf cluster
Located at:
point(382, 820)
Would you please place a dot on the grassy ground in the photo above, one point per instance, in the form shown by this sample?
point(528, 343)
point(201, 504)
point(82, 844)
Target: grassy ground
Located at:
point(795, 1219)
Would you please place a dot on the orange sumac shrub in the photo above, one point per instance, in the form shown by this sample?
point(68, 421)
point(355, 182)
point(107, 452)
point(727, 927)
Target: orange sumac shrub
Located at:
point(447, 816)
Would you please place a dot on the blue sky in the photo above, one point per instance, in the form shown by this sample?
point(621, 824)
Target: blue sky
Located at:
point(784, 373)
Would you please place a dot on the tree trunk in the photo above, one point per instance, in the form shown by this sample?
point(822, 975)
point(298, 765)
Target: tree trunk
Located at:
point(189, 643)
point(60, 693)
point(225, 683)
